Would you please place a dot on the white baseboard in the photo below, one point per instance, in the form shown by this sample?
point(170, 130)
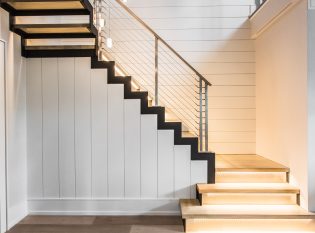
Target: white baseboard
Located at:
point(104, 207)
point(16, 213)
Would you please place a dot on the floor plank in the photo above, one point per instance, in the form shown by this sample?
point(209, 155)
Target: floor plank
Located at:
point(59, 220)
point(138, 220)
point(99, 224)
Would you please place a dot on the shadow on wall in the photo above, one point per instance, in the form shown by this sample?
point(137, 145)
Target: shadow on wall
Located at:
point(215, 38)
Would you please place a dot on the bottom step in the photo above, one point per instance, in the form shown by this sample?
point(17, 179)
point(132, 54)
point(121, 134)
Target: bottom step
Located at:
point(191, 209)
point(249, 225)
point(245, 218)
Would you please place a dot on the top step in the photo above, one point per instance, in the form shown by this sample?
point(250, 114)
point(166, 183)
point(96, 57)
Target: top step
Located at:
point(30, 5)
point(247, 163)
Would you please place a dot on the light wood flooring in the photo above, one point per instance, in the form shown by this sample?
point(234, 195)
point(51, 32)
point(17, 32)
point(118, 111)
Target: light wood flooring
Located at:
point(99, 224)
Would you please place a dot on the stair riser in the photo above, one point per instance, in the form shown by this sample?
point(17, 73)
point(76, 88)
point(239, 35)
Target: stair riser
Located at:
point(249, 198)
point(249, 225)
point(251, 177)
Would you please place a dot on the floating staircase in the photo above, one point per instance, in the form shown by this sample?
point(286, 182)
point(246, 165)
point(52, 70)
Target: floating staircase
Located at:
point(53, 28)
point(65, 28)
point(251, 194)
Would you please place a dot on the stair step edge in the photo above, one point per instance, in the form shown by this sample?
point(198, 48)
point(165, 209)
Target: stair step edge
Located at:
point(247, 188)
point(191, 209)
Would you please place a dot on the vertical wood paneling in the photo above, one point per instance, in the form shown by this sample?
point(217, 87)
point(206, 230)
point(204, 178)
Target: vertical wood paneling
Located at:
point(182, 171)
point(198, 175)
point(34, 125)
point(116, 163)
point(149, 156)
point(83, 127)
point(165, 163)
point(99, 133)
point(50, 127)
point(132, 148)
point(106, 148)
point(66, 127)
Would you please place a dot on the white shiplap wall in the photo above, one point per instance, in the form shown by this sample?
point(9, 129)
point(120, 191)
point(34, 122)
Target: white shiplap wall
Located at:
point(214, 36)
point(90, 151)
point(15, 91)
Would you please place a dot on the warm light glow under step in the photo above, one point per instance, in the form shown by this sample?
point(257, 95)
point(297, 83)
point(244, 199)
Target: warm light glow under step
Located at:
point(192, 209)
point(60, 42)
point(55, 19)
point(251, 177)
point(250, 225)
point(247, 188)
point(46, 5)
point(248, 193)
point(249, 199)
point(56, 28)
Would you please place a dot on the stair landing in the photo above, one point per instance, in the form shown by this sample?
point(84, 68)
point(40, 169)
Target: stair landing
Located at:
point(247, 162)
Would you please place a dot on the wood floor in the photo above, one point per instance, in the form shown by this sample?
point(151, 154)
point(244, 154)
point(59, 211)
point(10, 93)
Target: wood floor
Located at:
point(99, 224)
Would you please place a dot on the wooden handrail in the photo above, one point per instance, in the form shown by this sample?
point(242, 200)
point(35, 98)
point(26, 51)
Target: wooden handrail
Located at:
point(162, 40)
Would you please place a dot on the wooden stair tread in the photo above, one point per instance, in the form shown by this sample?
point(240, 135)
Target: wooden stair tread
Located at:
point(53, 28)
point(248, 162)
point(46, 5)
point(191, 209)
point(60, 47)
point(50, 25)
point(60, 42)
point(187, 134)
point(247, 188)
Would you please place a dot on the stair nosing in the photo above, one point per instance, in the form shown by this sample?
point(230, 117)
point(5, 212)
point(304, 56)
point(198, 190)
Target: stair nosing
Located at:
point(289, 189)
point(252, 169)
point(194, 205)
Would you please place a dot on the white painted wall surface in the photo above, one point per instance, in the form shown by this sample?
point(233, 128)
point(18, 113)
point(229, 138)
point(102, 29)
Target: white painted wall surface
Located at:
point(269, 13)
point(3, 181)
point(281, 67)
point(90, 151)
point(16, 123)
point(214, 36)
point(311, 109)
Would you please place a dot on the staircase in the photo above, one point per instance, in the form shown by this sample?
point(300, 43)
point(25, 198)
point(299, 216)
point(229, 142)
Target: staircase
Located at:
point(75, 35)
point(251, 194)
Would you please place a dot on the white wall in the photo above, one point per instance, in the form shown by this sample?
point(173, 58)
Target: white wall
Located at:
point(281, 76)
point(214, 36)
point(16, 122)
point(91, 152)
point(311, 108)
point(3, 198)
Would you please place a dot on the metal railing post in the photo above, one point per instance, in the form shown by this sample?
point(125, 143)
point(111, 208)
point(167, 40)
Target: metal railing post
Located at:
point(200, 116)
point(206, 119)
point(258, 3)
point(156, 64)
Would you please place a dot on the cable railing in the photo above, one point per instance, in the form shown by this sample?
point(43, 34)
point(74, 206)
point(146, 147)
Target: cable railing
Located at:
point(139, 52)
point(259, 3)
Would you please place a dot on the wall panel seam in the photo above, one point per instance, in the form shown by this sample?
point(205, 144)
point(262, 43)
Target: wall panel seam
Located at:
point(42, 126)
